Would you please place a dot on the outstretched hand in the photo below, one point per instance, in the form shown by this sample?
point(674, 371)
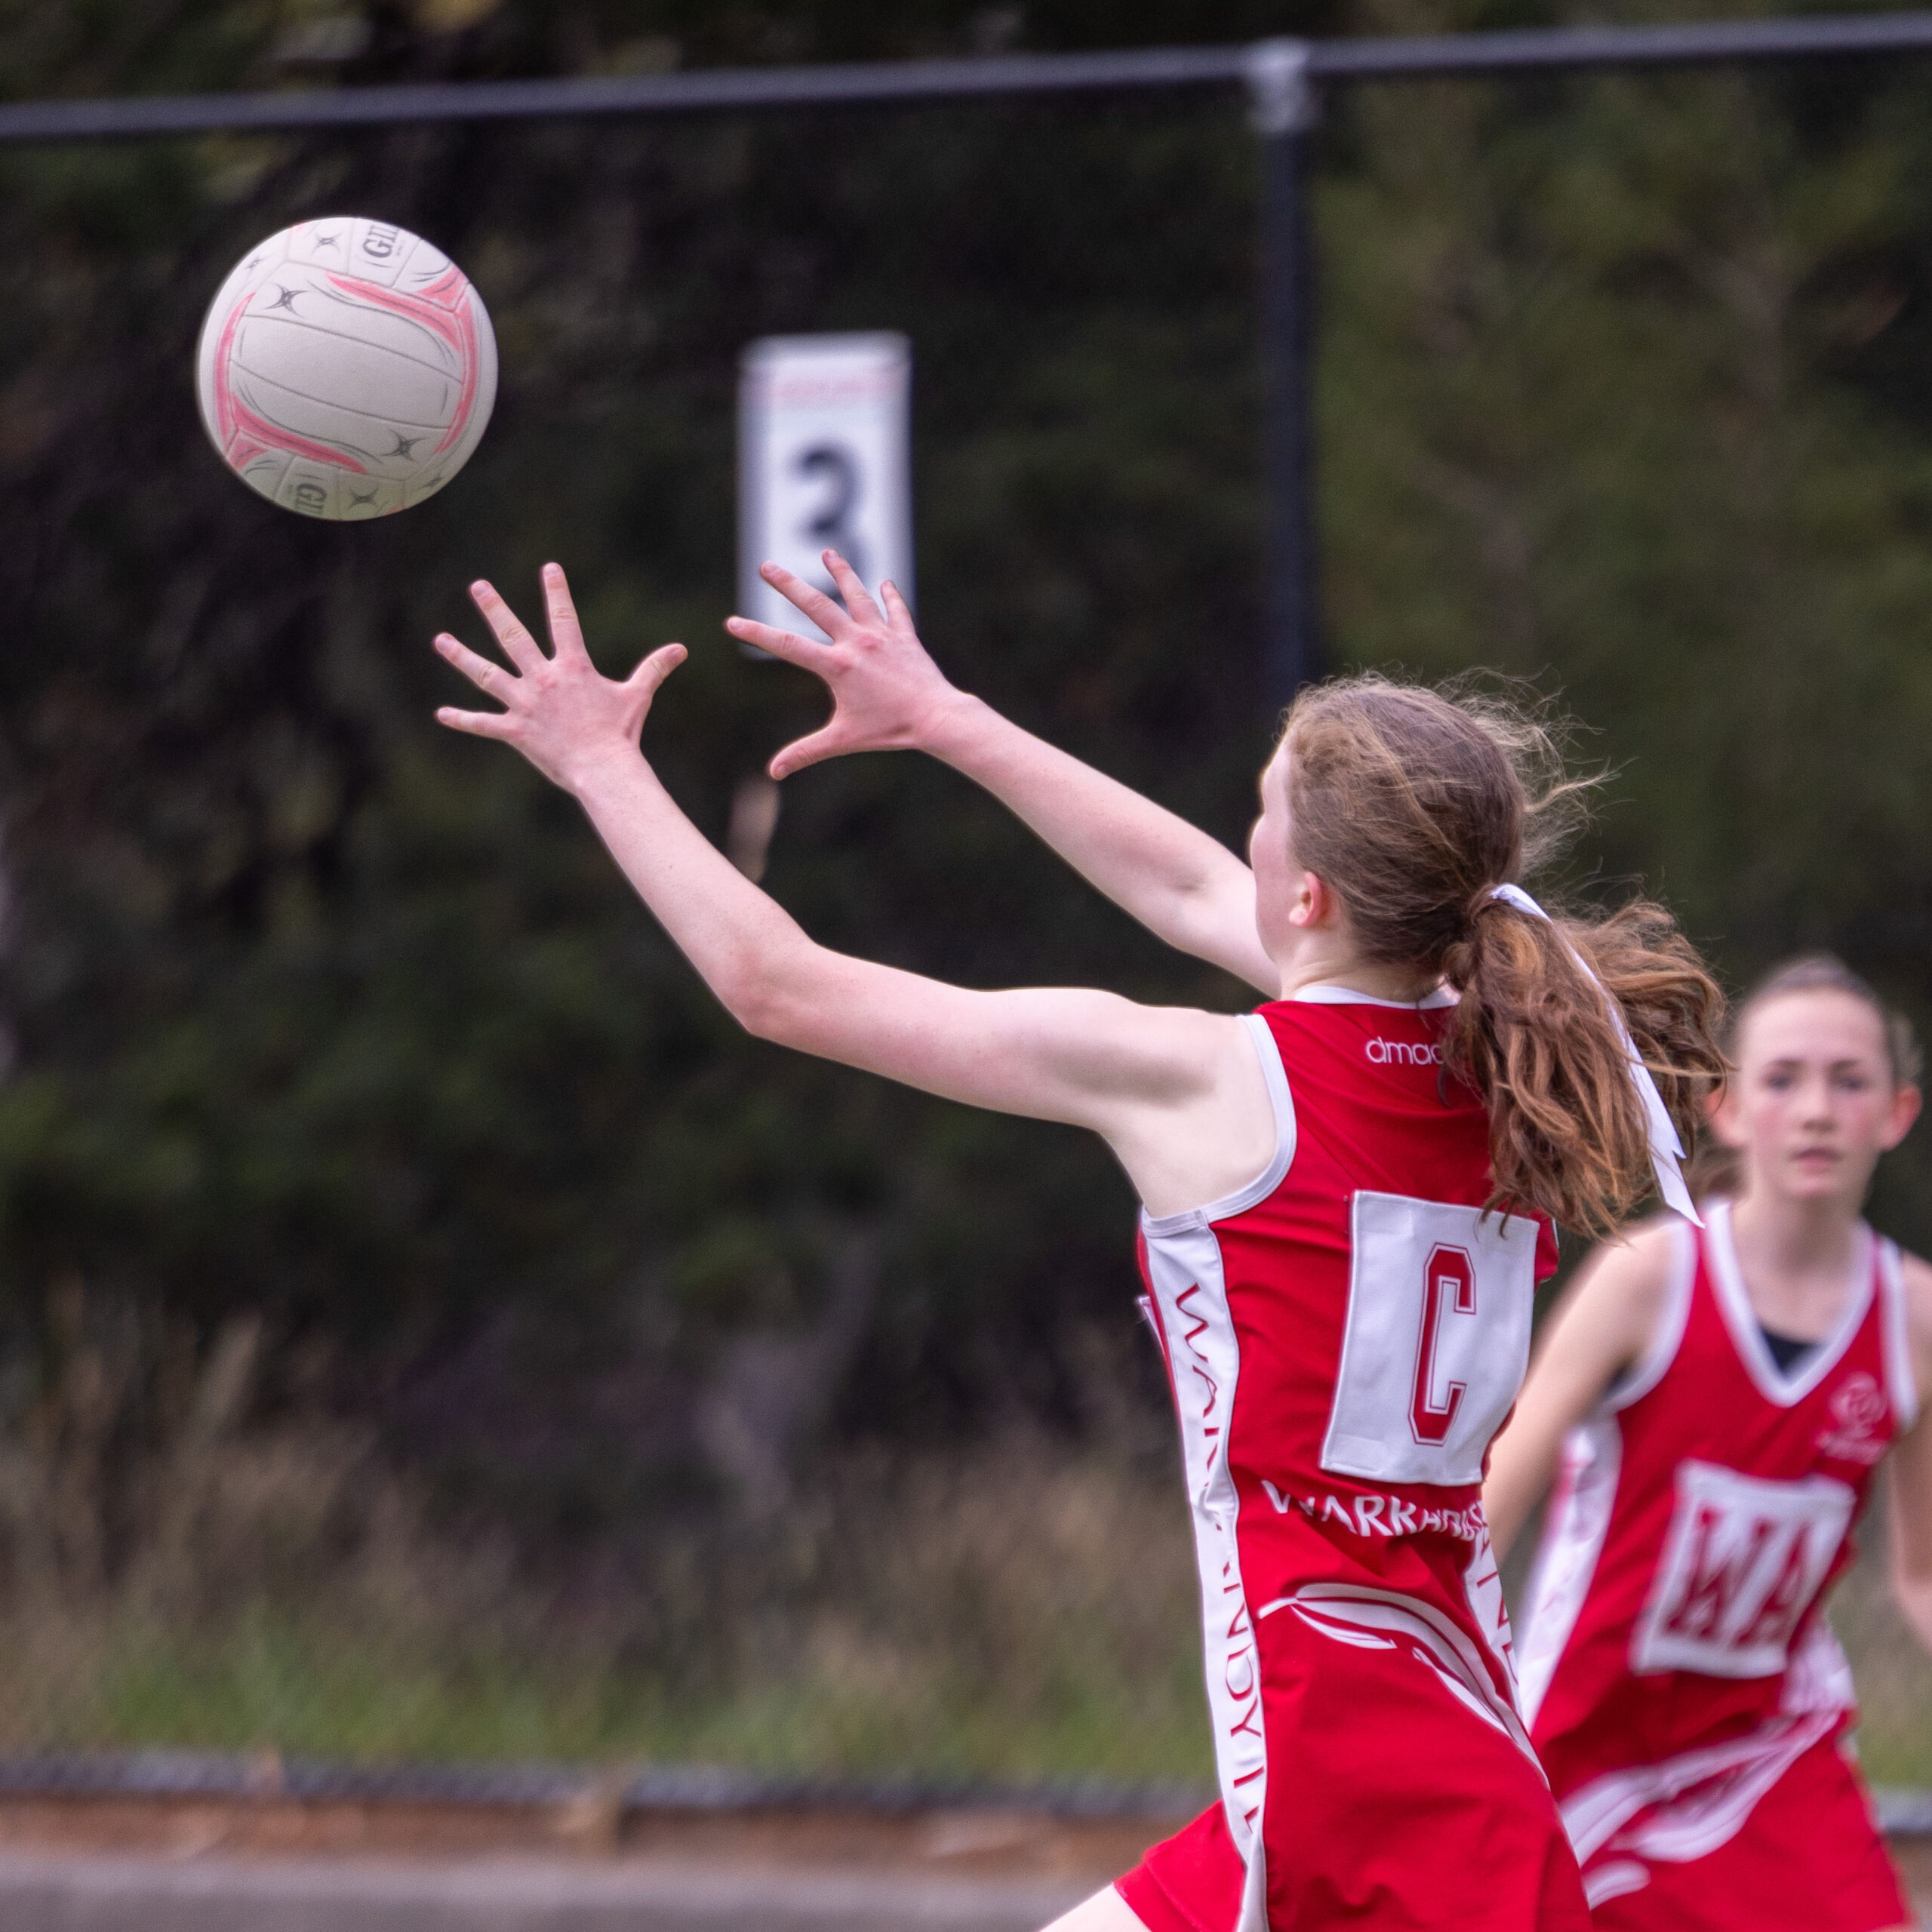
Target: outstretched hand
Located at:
point(886, 693)
point(561, 712)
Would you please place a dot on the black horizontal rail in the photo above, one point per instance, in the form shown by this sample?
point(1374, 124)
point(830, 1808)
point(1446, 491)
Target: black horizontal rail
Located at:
point(1009, 75)
point(178, 1775)
point(163, 1774)
point(718, 91)
point(1692, 44)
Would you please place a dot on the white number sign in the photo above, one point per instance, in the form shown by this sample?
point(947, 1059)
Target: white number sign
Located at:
point(1437, 1338)
point(824, 463)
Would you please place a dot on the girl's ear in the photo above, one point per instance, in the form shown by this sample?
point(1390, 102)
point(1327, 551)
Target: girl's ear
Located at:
point(1906, 1102)
point(1315, 905)
point(1721, 1110)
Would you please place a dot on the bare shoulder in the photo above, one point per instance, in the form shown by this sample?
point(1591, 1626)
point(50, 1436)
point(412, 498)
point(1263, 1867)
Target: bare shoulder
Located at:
point(1163, 1054)
point(1199, 1123)
point(1203, 1053)
point(1611, 1310)
point(1639, 1269)
point(1917, 1275)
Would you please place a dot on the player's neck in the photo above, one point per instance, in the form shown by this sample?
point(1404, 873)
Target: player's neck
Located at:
point(1327, 958)
point(1795, 1255)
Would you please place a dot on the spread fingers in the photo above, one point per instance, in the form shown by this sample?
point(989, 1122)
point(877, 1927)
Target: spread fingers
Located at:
point(566, 633)
point(478, 724)
point(519, 647)
point(787, 645)
point(491, 679)
point(852, 588)
point(824, 611)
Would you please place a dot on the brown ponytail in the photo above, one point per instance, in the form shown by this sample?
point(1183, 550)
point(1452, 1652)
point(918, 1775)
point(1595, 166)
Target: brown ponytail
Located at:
point(1412, 804)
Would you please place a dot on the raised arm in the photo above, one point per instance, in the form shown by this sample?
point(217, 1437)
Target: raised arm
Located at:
point(1912, 1468)
point(1603, 1326)
point(1178, 1094)
point(888, 695)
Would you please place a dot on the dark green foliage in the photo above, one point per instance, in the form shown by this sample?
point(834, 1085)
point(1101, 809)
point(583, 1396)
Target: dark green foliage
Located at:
point(320, 1011)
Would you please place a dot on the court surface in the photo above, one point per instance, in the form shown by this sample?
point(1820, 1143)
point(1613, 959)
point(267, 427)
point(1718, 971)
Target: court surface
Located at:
point(76, 1890)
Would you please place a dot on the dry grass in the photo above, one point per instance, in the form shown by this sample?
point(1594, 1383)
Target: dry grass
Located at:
point(1020, 1611)
point(1893, 1672)
point(971, 1616)
point(173, 1574)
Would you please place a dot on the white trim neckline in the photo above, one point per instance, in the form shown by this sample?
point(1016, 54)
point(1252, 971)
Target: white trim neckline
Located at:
point(1899, 1373)
point(1654, 1364)
point(1747, 1333)
point(1324, 995)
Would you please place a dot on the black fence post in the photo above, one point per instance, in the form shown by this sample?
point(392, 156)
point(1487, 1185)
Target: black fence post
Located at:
point(1284, 108)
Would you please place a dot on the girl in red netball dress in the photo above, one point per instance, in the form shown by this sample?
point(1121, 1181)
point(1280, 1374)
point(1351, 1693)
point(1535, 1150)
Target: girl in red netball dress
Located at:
point(1722, 1399)
point(1345, 1315)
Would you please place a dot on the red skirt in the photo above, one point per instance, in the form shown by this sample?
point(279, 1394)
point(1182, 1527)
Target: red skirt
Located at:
point(1392, 1802)
point(1805, 1856)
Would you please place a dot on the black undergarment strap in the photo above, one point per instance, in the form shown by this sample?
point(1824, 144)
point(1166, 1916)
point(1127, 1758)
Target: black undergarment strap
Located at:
point(1787, 1351)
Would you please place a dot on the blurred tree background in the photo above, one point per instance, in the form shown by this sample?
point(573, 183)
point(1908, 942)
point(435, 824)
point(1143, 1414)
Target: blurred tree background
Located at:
point(354, 1115)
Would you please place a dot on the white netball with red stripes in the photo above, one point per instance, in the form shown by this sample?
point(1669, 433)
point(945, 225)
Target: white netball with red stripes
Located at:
point(346, 369)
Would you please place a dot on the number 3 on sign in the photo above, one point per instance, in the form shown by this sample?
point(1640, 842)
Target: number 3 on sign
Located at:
point(823, 464)
point(1437, 1338)
point(830, 527)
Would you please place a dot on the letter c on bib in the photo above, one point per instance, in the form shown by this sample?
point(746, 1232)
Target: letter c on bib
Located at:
point(1449, 1282)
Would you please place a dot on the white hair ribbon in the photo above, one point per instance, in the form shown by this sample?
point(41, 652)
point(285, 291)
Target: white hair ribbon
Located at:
point(1667, 1150)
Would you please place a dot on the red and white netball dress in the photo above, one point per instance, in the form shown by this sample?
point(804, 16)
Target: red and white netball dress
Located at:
point(1344, 1336)
point(1688, 1699)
